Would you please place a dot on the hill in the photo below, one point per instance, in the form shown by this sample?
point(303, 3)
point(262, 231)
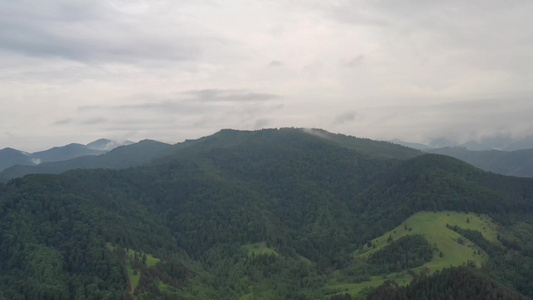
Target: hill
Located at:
point(269, 214)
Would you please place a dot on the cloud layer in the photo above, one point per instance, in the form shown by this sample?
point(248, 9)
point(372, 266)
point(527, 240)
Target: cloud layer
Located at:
point(75, 71)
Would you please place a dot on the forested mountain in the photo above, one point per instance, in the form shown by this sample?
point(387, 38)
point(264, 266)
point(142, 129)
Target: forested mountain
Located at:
point(121, 157)
point(143, 152)
point(269, 214)
point(66, 152)
point(11, 157)
point(513, 163)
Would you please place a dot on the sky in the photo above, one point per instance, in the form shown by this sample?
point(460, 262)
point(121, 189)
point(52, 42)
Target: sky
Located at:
point(170, 70)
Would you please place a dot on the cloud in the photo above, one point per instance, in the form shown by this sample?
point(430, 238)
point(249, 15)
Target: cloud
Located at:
point(453, 121)
point(216, 95)
point(63, 122)
point(355, 62)
point(345, 117)
point(94, 32)
point(275, 63)
point(261, 123)
point(94, 121)
point(196, 110)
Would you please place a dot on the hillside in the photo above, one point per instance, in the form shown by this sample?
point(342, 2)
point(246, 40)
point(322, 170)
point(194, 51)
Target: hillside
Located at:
point(270, 214)
point(449, 248)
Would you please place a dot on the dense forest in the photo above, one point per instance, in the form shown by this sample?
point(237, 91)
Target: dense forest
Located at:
point(269, 214)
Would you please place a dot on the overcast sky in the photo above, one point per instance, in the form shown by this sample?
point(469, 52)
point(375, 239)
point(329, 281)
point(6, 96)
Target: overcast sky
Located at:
point(76, 71)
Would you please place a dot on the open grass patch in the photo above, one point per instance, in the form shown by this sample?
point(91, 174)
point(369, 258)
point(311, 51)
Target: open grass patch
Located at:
point(334, 287)
point(456, 249)
point(134, 276)
point(133, 260)
point(453, 249)
point(257, 249)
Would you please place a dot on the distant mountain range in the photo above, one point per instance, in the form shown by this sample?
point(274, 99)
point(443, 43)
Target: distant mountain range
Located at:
point(515, 158)
point(511, 163)
point(129, 155)
point(503, 143)
point(11, 157)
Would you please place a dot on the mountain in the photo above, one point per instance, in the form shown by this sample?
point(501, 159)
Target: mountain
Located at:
point(144, 151)
point(514, 163)
point(67, 152)
point(269, 214)
point(498, 142)
point(121, 157)
point(10, 157)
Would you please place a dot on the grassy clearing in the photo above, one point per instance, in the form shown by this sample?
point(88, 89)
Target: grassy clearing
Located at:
point(433, 227)
point(456, 249)
point(134, 275)
point(151, 261)
point(259, 249)
point(167, 289)
point(355, 289)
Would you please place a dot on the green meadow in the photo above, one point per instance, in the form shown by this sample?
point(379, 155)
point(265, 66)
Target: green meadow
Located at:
point(456, 250)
